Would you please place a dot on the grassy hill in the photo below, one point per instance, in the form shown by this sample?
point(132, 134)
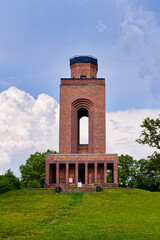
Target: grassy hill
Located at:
point(111, 214)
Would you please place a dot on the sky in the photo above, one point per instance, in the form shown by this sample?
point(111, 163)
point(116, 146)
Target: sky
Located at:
point(38, 37)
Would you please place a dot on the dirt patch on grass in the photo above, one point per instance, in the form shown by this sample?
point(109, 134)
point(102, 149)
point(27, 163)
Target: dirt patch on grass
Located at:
point(52, 222)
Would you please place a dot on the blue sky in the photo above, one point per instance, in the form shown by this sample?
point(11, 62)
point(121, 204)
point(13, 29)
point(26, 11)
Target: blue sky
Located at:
point(38, 37)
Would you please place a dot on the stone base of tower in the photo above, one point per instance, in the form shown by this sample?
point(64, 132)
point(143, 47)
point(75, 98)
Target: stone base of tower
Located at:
point(66, 170)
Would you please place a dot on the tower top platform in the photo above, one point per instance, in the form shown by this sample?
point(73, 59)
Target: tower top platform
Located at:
point(83, 67)
point(83, 59)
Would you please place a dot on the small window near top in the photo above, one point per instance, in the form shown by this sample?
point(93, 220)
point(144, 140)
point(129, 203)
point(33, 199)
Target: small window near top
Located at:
point(83, 77)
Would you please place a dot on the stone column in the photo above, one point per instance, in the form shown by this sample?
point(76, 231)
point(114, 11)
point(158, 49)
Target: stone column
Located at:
point(105, 173)
point(115, 173)
point(76, 180)
point(86, 173)
point(67, 172)
point(95, 173)
point(47, 170)
point(57, 173)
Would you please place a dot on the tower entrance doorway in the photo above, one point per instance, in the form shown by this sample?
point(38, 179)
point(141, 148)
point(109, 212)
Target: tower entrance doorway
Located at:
point(81, 173)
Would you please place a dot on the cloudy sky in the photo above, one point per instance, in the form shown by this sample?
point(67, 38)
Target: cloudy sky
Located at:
point(38, 37)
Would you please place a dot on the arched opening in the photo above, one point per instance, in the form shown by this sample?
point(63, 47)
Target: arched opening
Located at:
point(82, 126)
point(83, 130)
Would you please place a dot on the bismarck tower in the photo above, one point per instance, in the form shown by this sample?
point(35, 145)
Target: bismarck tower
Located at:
point(81, 95)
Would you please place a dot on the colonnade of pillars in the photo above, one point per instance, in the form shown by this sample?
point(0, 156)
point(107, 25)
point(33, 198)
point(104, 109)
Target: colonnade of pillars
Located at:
point(87, 173)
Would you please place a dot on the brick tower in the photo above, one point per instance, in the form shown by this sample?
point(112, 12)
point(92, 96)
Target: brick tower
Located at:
point(81, 95)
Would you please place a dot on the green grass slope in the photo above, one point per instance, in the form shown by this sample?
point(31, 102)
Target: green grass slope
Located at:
point(111, 214)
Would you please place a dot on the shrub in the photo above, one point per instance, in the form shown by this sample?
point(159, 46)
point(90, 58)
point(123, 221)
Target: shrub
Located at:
point(9, 182)
point(5, 184)
point(33, 184)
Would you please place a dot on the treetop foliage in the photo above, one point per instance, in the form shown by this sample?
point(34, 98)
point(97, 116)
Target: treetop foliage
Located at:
point(144, 174)
point(151, 132)
point(34, 169)
point(148, 176)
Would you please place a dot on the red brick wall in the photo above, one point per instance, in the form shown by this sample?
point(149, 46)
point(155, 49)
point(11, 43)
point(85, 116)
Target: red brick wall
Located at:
point(83, 69)
point(76, 93)
point(71, 90)
point(82, 148)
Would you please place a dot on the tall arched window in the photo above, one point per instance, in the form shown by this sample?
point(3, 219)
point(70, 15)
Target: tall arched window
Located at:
point(83, 126)
point(83, 130)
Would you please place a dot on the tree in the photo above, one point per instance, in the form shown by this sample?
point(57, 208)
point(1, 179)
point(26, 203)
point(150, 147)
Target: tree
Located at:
point(34, 169)
point(5, 185)
point(14, 181)
point(142, 177)
point(151, 132)
point(143, 174)
point(148, 174)
point(126, 170)
point(9, 182)
point(109, 176)
point(154, 170)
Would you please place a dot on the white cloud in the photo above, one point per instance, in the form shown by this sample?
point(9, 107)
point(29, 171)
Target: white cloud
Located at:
point(101, 26)
point(123, 128)
point(26, 125)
